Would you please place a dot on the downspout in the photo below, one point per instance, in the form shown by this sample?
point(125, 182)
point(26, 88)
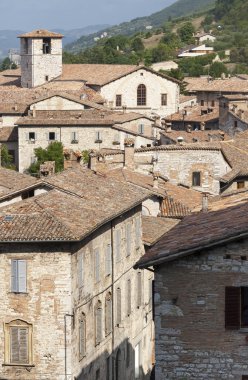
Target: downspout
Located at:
point(112, 291)
point(65, 333)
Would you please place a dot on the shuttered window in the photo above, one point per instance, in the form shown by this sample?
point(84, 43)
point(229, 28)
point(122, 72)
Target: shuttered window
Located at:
point(141, 129)
point(118, 101)
point(141, 95)
point(163, 99)
point(108, 260)
point(139, 289)
point(196, 179)
point(128, 239)
point(19, 345)
point(74, 137)
point(98, 136)
point(80, 270)
point(245, 377)
point(108, 315)
point(150, 301)
point(232, 308)
point(137, 232)
point(82, 336)
point(128, 298)
point(98, 317)
point(19, 276)
point(97, 265)
point(118, 306)
point(118, 245)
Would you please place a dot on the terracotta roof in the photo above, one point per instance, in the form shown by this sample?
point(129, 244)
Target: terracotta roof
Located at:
point(153, 228)
point(192, 146)
point(12, 181)
point(233, 85)
point(92, 199)
point(198, 231)
point(8, 134)
point(40, 33)
point(12, 108)
point(188, 197)
point(101, 74)
point(195, 136)
point(186, 98)
point(194, 114)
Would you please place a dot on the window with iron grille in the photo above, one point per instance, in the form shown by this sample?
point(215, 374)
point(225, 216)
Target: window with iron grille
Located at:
point(141, 95)
point(163, 99)
point(118, 100)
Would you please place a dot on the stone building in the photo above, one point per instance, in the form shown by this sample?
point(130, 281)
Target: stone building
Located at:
point(201, 295)
point(72, 305)
point(233, 114)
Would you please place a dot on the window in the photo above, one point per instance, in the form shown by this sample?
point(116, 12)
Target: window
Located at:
point(97, 265)
point(18, 340)
point(118, 245)
point(141, 95)
point(128, 239)
point(108, 368)
point(98, 137)
point(108, 314)
point(163, 99)
point(80, 270)
point(74, 138)
point(118, 101)
point(51, 136)
point(28, 194)
point(141, 129)
point(31, 136)
point(236, 307)
point(235, 124)
point(196, 179)
point(98, 321)
point(202, 103)
point(139, 289)
point(128, 297)
point(46, 45)
point(212, 103)
point(98, 374)
point(18, 276)
point(46, 78)
point(118, 306)
point(240, 185)
point(108, 260)
point(25, 45)
point(137, 232)
point(82, 336)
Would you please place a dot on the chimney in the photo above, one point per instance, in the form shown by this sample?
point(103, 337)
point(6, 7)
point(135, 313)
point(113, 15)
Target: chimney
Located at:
point(188, 128)
point(155, 179)
point(124, 108)
point(129, 153)
point(34, 111)
point(168, 127)
point(93, 161)
point(202, 126)
point(48, 168)
point(204, 202)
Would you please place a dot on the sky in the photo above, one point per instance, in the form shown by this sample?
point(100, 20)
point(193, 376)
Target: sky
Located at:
point(27, 15)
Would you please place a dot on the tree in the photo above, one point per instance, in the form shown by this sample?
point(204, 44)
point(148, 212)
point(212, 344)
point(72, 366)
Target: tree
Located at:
point(186, 32)
point(216, 69)
point(6, 158)
point(137, 45)
point(54, 152)
point(6, 64)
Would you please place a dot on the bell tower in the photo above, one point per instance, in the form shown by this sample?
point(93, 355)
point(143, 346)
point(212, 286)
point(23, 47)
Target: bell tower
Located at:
point(41, 57)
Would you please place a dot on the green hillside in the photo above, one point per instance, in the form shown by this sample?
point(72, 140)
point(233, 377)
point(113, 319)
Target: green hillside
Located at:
point(178, 9)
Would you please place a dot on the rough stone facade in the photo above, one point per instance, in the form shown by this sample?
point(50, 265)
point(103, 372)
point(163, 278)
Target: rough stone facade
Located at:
point(38, 68)
point(191, 339)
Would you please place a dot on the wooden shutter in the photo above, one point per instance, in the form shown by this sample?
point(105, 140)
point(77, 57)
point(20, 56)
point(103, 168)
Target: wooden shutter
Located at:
point(80, 270)
point(98, 325)
point(108, 316)
point(47, 136)
point(97, 265)
point(82, 337)
point(118, 244)
point(56, 136)
point(128, 239)
point(14, 345)
point(27, 136)
point(129, 301)
point(232, 308)
point(19, 345)
point(108, 260)
point(22, 276)
point(23, 345)
point(139, 292)
point(14, 276)
point(118, 306)
point(137, 231)
point(141, 129)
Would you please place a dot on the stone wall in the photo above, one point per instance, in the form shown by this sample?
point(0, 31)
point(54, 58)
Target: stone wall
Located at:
point(191, 339)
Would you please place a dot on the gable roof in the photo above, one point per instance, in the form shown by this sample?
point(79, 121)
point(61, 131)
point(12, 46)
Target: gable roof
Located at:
point(197, 232)
point(40, 33)
point(102, 74)
point(80, 203)
point(153, 228)
point(12, 181)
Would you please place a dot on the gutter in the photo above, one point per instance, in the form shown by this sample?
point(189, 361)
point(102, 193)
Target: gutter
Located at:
point(172, 257)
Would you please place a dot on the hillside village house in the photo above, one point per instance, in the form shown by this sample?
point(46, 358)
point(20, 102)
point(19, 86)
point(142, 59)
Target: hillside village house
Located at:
point(233, 114)
point(72, 305)
point(201, 294)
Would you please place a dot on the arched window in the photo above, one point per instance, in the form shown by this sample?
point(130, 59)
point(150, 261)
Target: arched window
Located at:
point(141, 95)
point(82, 335)
point(98, 322)
point(108, 314)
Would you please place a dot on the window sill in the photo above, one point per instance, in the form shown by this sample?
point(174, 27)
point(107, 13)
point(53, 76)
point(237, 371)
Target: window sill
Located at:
point(17, 365)
point(17, 293)
point(243, 330)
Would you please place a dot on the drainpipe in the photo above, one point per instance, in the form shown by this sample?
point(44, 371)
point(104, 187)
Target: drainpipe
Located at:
point(113, 300)
point(65, 331)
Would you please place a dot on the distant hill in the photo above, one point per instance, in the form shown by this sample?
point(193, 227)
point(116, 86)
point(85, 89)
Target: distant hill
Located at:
point(178, 9)
point(9, 40)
